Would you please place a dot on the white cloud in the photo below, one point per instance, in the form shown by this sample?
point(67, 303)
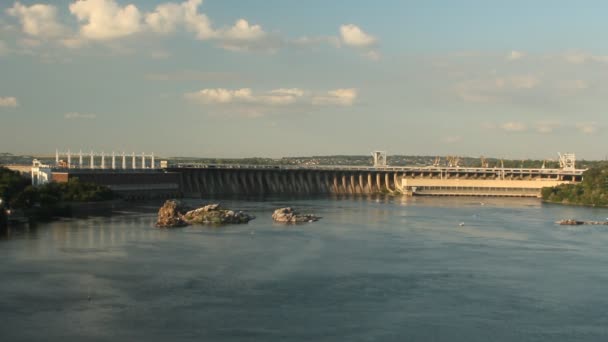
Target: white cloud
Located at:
point(221, 95)
point(8, 102)
point(587, 127)
point(341, 97)
point(197, 22)
point(76, 115)
point(105, 19)
point(352, 35)
point(514, 126)
point(282, 96)
point(243, 36)
point(278, 97)
point(37, 20)
point(243, 31)
point(168, 17)
point(546, 127)
point(515, 55)
point(108, 20)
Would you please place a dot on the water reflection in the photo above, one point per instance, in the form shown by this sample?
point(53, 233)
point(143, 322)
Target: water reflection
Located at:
point(92, 235)
point(373, 268)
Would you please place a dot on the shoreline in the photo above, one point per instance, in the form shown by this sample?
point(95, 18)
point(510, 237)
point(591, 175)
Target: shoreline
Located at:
point(575, 204)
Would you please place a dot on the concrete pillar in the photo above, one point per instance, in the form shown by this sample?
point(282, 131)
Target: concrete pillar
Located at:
point(396, 181)
point(92, 160)
point(133, 161)
point(143, 160)
point(113, 160)
point(153, 165)
point(103, 160)
point(80, 159)
point(124, 161)
point(361, 187)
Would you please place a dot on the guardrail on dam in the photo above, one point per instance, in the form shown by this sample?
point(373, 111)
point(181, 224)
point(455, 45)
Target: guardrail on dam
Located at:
point(202, 180)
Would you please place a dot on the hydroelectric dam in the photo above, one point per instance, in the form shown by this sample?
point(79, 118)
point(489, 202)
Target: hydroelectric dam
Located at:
point(197, 180)
point(142, 177)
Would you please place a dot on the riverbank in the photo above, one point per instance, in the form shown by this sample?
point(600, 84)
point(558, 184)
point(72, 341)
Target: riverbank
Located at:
point(574, 204)
point(591, 192)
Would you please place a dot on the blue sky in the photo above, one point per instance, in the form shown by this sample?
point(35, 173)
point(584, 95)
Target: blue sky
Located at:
point(228, 78)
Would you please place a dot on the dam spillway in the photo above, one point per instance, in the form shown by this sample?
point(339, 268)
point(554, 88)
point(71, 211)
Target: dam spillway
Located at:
point(198, 180)
point(284, 181)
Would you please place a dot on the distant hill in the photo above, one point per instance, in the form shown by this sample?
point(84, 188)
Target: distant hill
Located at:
point(9, 158)
point(393, 160)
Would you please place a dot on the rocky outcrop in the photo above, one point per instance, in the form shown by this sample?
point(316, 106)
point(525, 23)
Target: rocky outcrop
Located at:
point(175, 214)
point(214, 214)
point(170, 215)
point(289, 215)
point(571, 222)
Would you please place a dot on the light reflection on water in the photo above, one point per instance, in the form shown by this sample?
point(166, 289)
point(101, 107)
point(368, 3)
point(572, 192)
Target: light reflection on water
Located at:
point(374, 268)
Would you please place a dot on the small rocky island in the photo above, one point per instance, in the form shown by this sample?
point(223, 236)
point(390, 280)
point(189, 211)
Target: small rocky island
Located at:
point(174, 214)
point(289, 215)
point(571, 222)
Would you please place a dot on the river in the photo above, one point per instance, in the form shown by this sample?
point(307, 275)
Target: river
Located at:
point(372, 269)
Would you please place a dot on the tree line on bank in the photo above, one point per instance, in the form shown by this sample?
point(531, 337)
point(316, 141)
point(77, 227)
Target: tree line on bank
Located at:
point(17, 192)
point(592, 191)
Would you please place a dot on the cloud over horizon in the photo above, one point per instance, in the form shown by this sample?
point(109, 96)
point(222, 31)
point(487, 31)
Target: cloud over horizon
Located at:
point(104, 21)
point(9, 101)
point(275, 97)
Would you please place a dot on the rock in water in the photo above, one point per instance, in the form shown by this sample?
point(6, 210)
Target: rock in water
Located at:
point(174, 214)
point(289, 215)
point(570, 222)
point(215, 214)
point(170, 215)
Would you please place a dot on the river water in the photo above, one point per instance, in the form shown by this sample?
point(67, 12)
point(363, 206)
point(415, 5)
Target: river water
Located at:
point(373, 269)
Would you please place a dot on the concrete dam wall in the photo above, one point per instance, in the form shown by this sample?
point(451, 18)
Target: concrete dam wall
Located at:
point(196, 182)
point(206, 180)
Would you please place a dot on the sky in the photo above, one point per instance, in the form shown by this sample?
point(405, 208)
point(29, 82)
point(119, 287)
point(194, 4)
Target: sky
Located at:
point(270, 78)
